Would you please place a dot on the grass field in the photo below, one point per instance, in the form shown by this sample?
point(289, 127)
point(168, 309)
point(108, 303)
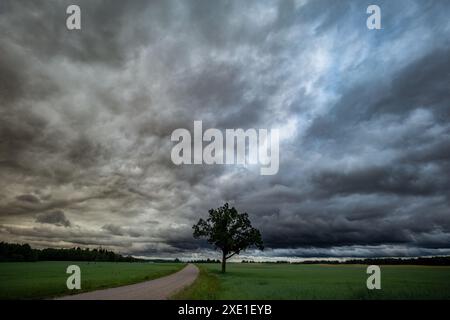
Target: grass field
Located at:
point(284, 281)
point(242, 281)
point(24, 280)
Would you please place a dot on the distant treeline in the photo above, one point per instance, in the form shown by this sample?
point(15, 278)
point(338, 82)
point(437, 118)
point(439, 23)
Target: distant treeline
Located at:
point(204, 261)
point(427, 261)
point(176, 260)
point(23, 252)
point(424, 261)
point(10, 252)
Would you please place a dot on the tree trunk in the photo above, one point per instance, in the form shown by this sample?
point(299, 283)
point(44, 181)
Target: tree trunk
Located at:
point(224, 261)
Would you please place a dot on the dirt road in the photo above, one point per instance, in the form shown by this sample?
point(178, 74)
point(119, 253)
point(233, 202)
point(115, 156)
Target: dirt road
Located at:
point(157, 289)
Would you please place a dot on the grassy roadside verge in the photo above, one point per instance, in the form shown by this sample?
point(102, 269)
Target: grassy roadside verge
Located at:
point(205, 287)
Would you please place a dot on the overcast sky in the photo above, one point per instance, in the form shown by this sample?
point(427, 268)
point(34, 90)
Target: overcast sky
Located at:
point(86, 118)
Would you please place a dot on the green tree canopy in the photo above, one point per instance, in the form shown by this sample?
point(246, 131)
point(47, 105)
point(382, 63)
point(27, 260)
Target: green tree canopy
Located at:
point(229, 231)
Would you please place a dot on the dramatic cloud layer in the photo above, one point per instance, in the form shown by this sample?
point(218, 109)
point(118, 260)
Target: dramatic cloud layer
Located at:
point(86, 118)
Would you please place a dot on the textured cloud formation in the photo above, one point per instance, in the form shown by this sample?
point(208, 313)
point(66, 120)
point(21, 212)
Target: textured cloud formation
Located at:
point(86, 118)
point(57, 218)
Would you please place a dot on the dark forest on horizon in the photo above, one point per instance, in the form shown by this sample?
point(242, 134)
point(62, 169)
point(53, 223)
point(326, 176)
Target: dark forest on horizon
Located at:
point(13, 252)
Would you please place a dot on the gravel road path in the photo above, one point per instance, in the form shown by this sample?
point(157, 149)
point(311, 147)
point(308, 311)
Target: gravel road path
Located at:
point(157, 289)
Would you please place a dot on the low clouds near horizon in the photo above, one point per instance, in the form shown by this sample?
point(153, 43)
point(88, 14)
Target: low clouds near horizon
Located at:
point(86, 118)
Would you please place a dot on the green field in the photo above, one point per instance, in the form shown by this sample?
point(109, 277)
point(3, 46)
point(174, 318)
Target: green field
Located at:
point(24, 280)
point(290, 281)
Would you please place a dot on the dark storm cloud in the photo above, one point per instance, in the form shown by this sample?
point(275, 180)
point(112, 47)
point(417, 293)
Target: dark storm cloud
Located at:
point(28, 198)
point(86, 118)
point(422, 83)
point(57, 218)
point(10, 81)
point(121, 231)
point(400, 180)
point(103, 22)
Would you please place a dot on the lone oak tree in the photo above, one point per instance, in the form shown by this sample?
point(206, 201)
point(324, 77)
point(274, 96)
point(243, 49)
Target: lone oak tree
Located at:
point(229, 231)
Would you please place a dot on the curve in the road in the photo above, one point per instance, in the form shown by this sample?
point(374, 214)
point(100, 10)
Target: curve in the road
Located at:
point(157, 289)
